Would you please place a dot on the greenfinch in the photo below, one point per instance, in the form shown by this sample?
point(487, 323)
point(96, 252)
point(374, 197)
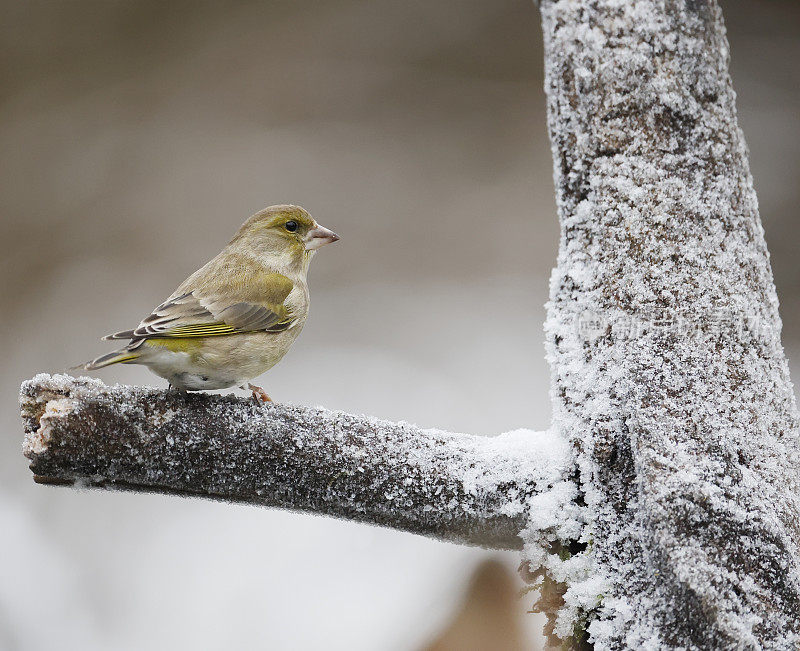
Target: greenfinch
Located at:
point(237, 316)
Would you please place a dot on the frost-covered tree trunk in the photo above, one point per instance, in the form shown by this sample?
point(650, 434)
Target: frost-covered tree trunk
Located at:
point(663, 336)
point(662, 509)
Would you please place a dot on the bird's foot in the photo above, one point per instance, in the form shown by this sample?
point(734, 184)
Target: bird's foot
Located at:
point(259, 395)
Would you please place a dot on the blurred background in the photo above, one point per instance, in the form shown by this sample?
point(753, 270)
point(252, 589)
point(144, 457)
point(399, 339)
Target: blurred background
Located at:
point(136, 136)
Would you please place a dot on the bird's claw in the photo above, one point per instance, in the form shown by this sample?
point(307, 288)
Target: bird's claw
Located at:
point(259, 395)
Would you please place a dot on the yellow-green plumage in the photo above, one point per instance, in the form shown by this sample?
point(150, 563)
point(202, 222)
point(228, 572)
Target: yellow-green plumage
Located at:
point(175, 344)
point(237, 316)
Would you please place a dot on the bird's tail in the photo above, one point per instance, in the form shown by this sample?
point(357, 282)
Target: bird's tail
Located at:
point(118, 356)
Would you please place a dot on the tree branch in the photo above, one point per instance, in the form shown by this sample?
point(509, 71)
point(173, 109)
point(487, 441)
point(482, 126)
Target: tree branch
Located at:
point(456, 487)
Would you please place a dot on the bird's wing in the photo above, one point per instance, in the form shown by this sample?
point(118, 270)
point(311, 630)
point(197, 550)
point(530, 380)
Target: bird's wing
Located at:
point(210, 313)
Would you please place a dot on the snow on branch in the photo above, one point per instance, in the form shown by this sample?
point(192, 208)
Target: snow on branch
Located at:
point(456, 487)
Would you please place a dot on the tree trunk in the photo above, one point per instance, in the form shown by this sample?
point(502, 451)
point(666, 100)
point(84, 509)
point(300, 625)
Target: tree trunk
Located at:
point(663, 337)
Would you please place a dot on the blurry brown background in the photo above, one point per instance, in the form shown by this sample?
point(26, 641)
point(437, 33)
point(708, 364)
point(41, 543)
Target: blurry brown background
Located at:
point(135, 137)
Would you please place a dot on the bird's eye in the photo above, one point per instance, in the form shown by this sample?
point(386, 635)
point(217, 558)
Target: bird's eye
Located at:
point(291, 226)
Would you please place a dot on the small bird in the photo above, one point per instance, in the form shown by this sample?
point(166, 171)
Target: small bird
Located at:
point(237, 316)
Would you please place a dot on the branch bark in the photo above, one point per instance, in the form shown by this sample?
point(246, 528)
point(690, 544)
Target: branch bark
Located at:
point(663, 335)
point(456, 487)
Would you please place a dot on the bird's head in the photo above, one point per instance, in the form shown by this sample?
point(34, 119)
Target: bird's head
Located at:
point(287, 233)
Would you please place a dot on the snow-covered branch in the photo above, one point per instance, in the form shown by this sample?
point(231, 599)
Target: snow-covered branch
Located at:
point(457, 487)
point(663, 336)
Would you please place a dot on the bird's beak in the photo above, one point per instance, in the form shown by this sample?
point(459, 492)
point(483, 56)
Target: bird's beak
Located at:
point(319, 237)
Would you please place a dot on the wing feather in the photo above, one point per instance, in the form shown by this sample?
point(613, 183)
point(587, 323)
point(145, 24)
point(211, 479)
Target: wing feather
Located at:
point(210, 314)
